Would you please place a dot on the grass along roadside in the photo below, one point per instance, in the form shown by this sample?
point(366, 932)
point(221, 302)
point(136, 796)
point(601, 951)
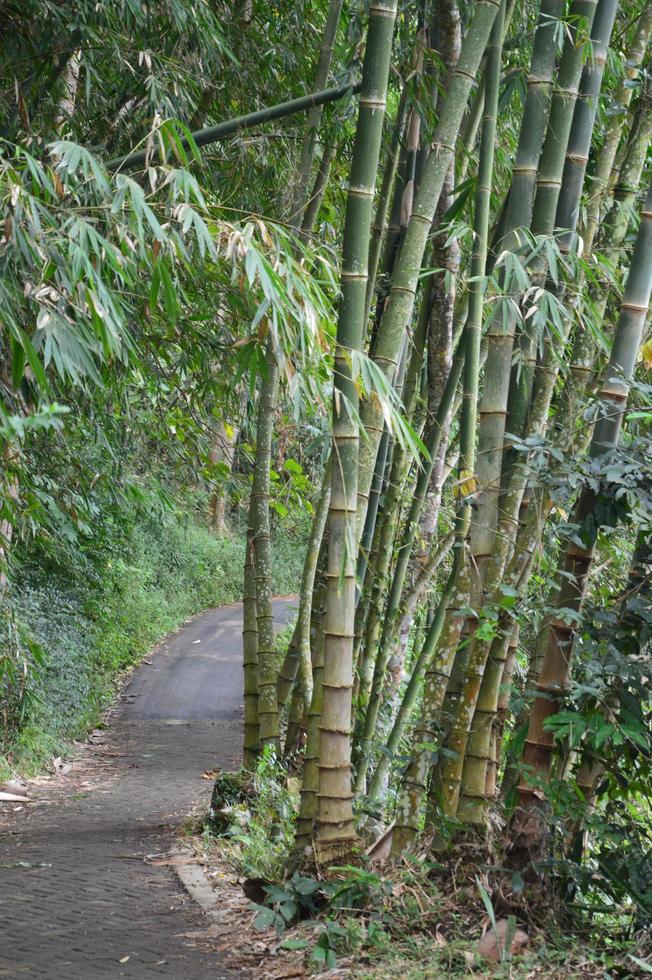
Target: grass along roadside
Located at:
point(80, 618)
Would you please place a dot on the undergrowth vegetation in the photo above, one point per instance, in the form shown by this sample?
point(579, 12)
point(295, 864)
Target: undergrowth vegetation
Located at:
point(423, 918)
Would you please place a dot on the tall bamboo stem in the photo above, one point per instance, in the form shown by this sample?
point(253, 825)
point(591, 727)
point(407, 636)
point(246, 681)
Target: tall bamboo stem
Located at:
point(473, 331)
point(335, 829)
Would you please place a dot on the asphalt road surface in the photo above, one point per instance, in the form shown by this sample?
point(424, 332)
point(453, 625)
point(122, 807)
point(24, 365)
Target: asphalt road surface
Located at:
point(77, 899)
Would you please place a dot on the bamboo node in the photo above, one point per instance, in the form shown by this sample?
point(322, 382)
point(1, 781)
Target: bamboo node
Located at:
point(359, 190)
point(383, 10)
point(635, 307)
point(464, 74)
point(372, 104)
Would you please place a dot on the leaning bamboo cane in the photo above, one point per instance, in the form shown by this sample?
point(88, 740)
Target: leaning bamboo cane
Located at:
point(230, 127)
point(335, 828)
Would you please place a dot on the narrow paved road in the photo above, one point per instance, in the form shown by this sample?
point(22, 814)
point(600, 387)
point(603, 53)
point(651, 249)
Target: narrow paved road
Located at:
point(77, 901)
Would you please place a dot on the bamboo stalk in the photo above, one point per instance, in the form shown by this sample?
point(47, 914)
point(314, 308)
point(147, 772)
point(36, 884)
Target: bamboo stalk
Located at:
point(604, 168)
point(310, 780)
point(268, 716)
point(500, 335)
point(487, 693)
point(457, 740)
point(335, 828)
point(203, 137)
point(250, 657)
point(300, 190)
point(544, 210)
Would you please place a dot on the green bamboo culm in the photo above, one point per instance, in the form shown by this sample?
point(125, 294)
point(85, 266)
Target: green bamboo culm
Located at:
point(544, 210)
point(407, 268)
point(250, 657)
point(203, 137)
point(268, 716)
point(603, 173)
point(453, 765)
point(500, 333)
point(335, 831)
point(301, 186)
point(297, 659)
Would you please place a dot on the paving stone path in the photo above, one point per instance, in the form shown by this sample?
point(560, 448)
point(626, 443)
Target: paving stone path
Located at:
point(77, 899)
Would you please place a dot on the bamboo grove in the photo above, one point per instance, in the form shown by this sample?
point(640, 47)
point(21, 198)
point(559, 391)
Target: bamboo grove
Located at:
point(438, 263)
point(496, 269)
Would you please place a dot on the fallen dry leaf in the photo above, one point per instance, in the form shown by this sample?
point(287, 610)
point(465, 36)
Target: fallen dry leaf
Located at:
point(380, 850)
point(124, 959)
point(13, 798)
point(492, 943)
point(59, 767)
